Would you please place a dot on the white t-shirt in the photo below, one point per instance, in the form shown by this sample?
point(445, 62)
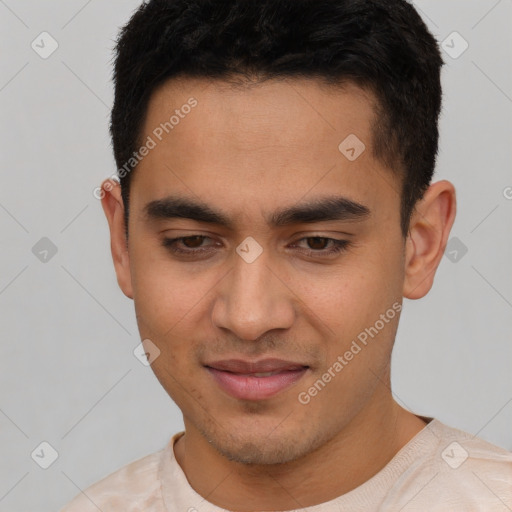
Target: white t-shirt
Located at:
point(439, 469)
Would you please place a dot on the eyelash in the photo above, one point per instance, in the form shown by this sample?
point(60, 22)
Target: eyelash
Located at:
point(339, 246)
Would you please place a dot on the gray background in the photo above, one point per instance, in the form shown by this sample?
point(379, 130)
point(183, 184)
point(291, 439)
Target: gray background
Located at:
point(68, 375)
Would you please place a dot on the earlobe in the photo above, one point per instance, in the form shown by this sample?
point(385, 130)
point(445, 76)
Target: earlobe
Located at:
point(429, 229)
point(113, 207)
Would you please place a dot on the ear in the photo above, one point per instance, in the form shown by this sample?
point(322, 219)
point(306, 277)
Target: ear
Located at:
point(112, 203)
point(429, 229)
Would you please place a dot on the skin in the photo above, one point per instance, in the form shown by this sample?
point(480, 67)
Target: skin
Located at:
point(248, 151)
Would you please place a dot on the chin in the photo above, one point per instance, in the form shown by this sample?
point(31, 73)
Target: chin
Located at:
point(264, 448)
point(261, 452)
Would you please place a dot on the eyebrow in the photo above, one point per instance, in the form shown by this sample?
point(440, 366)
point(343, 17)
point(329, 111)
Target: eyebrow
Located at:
point(318, 210)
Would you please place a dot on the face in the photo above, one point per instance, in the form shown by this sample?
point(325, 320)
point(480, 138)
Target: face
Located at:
point(277, 273)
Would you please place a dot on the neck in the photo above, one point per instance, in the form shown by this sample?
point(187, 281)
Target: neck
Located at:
point(359, 451)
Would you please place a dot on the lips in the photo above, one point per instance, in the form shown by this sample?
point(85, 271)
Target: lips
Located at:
point(247, 380)
point(247, 367)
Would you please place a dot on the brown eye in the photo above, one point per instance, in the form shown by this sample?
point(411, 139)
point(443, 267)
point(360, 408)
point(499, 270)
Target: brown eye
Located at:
point(193, 242)
point(320, 246)
point(188, 245)
point(317, 243)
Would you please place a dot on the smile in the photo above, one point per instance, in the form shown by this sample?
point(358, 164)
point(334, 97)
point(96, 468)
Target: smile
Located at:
point(256, 385)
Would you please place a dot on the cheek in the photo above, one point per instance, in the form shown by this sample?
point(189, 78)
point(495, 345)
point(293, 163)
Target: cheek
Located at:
point(168, 303)
point(373, 305)
point(165, 292)
point(348, 299)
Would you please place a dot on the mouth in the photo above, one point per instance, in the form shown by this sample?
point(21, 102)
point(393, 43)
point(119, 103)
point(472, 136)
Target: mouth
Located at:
point(246, 380)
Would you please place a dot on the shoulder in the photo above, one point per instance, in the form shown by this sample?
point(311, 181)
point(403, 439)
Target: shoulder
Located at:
point(132, 488)
point(457, 447)
point(467, 471)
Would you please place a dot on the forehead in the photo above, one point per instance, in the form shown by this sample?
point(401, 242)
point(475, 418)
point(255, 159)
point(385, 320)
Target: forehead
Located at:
point(251, 112)
point(253, 148)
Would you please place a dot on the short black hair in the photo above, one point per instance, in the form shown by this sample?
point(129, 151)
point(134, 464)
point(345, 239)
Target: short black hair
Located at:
point(380, 45)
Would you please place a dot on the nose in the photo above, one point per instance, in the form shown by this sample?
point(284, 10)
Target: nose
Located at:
point(252, 299)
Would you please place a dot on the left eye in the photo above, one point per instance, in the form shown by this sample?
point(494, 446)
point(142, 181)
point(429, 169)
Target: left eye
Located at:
point(317, 245)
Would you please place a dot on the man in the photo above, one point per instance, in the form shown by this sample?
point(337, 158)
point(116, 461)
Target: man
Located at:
point(275, 206)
